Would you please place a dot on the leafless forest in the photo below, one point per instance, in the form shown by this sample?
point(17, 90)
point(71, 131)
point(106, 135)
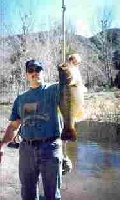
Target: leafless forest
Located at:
point(100, 54)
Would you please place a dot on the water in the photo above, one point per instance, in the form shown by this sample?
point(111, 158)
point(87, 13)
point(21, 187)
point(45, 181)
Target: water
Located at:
point(96, 171)
point(95, 159)
point(98, 160)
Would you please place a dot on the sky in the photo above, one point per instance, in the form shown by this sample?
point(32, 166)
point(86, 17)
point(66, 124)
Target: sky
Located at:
point(82, 15)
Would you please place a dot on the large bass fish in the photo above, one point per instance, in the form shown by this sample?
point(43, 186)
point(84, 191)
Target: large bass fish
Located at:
point(71, 99)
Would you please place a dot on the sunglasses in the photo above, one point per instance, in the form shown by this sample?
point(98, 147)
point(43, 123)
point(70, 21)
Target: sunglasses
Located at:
point(31, 70)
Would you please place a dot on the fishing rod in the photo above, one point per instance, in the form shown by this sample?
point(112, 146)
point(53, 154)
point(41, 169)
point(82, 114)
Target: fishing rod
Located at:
point(63, 54)
point(66, 164)
point(63, 30)
point(64, 57)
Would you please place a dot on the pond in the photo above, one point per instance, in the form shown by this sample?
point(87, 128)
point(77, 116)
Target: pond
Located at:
point(96, 171)
point(95, 159)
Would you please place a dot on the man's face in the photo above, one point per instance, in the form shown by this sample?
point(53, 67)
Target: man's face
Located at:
point(34, 74)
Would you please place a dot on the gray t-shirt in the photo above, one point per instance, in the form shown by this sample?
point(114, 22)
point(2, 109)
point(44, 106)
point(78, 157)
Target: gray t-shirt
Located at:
point(38, 111)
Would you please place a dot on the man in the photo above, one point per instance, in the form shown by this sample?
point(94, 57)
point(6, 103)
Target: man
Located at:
point(40, 151)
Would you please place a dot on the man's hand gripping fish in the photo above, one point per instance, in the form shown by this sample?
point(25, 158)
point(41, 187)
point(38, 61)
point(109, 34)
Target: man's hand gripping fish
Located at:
point(71, 99)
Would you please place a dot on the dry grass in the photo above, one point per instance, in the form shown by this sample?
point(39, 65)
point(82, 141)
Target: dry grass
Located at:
point(104, 106)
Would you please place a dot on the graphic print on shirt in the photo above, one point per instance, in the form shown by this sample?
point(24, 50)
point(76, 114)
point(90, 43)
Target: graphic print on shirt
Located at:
point(34, 114)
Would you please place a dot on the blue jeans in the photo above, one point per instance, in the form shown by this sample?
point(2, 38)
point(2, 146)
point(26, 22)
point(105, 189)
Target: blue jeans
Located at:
point(45, 158)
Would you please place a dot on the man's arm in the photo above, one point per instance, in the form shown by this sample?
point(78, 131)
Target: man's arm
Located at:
point(10, 132)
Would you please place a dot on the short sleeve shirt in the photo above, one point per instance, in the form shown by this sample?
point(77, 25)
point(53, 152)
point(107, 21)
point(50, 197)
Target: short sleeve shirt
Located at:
point(38, 110)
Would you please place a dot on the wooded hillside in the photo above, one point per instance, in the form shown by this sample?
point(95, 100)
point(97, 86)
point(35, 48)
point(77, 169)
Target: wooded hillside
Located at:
point(100, 56)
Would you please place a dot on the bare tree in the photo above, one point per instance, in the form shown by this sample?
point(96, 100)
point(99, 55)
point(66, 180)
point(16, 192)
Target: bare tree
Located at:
point(104, 39)
point(19, 44)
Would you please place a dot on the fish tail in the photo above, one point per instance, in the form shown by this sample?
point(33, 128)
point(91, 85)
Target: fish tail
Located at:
point(69, 134)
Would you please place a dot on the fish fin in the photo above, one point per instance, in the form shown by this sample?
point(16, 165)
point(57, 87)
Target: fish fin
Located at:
point(69, 134)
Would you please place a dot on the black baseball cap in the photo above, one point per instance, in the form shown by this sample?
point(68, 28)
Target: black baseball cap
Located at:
point(33, 63)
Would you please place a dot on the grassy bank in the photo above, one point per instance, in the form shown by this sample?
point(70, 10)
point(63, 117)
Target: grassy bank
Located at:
point(103, 106)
